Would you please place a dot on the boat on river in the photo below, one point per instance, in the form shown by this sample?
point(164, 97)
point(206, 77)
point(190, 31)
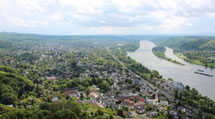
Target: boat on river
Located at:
point(205, 74)
point(200, 70)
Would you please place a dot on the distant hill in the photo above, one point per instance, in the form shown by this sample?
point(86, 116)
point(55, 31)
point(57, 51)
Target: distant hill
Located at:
point(8, 39)
point(198, 43)
point(209, 45)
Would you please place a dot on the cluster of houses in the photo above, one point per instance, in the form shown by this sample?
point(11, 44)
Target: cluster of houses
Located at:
point(121, 94)
point(136, 101)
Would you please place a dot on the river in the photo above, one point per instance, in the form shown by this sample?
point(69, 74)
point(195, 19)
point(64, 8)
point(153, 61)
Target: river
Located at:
point(184, 74)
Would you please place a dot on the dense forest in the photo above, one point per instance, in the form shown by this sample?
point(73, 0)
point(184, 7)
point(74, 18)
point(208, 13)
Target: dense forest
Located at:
point(13, 86)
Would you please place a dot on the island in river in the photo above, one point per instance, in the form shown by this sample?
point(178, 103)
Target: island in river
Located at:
point(159, 51)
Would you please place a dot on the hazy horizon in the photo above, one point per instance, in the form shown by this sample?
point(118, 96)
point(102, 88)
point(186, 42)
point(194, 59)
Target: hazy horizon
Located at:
point(179, 35)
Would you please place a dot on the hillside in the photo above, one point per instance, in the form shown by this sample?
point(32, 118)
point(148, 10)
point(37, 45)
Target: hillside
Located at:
point(12, 85)
point(210, 45)
point(198, 43)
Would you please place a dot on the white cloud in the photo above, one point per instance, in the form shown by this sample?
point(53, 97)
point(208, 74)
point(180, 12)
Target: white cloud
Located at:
point(173, 23)
point(31, 5)
point(45, 24)
point(126, 5)
point(189, 24)
point(19, 22)
point(83, 6)
point(102, 21)
point(109, 16)
point(211, 14)
point(56, 16)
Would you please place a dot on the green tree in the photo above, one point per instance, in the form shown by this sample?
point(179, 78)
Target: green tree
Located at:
point(105, 86)
point(8, 98)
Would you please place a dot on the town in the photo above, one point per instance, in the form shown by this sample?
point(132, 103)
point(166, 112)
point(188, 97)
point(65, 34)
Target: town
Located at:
point(99, 74)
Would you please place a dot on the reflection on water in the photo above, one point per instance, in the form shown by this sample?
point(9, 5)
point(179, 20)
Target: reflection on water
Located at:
point(184, 74)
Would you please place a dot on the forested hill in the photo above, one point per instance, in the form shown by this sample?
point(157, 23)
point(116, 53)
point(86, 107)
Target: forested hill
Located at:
point(208, 45)
point(21, 37)
point(190, 43)
point(13, 86)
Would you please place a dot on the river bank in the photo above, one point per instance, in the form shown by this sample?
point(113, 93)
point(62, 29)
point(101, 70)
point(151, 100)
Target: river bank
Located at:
point(184, 74)
point(194, 61)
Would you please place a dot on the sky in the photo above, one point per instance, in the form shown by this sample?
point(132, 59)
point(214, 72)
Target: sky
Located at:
point(101, 17)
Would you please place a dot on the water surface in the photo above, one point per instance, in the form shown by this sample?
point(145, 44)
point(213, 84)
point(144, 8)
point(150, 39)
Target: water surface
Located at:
point(185, 74)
